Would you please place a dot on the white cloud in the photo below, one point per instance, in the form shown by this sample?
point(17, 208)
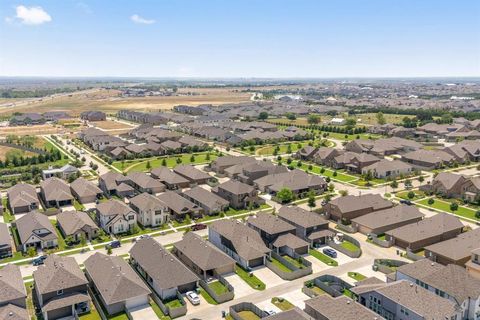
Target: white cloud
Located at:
point(137, 19)
point(31, 15)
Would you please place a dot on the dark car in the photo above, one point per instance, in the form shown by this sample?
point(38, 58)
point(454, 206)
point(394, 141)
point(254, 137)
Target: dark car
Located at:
point(38, 261)
point(330, 252)
point(407, 202)
point(199, 226)
point(114, 244)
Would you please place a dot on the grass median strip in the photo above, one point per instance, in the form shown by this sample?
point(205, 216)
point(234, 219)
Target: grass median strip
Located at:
point(356, 276)
point(250, 278)
point(445, 206)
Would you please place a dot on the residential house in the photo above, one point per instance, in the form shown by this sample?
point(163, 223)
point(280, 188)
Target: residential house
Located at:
point(179, 206)
point(192, 174)
point(309, 226)
point(456, 250)
point(202, 257)
point(35, 230)
point(25, 119)
point(242, 243)
point(61, 288)
point(326, 307)
point(306, 153)
point(208, 201)
point(117, 286)
point(151, 211)
point(383, 147)
point(170, 179)
point(5, 242)
point(451, 282)
point(93, 116)
point(238, 194)
point(221, 163)
point(64, 172)
point(428, 159)
point(325, 156)
point(385, 169)
point(350, 207)
point(378, 222)
point(85, 191)
point(416, 236)
point(473, 266)
point(144, 183)
point(77, 224)
point(295, 313)
point(298, 181)
point(269, 226)
point(115, 217)
point(448, 185)
point(251, 171)
point(13, 305)
point(55, 193)
point(405, 300)
point(161, 269)
point(115, 184)
point(22, 198)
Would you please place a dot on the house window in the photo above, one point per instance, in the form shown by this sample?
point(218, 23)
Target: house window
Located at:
point(59, 292)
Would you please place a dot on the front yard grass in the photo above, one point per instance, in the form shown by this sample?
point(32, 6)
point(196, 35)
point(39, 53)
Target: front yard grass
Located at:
point(282, 304)
point(323, 257)
point(7, 215)
point(248, 315)
point(404, 195)
point(251, 280)
point(349, 246)
point(173, 304)
point(340, 176)
point(158, 311)
point(218, 287)
point(295, 262)
point(356, 276)
point(445, 206)
point(280, 265)
point(207, 296)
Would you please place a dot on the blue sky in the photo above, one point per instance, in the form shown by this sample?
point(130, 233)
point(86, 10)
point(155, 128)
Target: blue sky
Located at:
point(248, 38)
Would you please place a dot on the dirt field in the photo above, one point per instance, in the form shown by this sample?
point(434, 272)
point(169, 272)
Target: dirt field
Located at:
point(111, 125)
point(29, 130)
point(110, 101)
point(5, 150)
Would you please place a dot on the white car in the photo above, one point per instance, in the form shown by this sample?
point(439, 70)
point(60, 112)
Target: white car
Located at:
point(270, 312)
point(193, 298)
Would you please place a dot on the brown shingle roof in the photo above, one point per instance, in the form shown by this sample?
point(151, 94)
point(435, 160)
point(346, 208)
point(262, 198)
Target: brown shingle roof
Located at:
point(13, 312)
point(301, 217)
point(340, 308)
point(389, 216)
point(191, 173)
point(205, 197)
point(11, 284)
point(353, 203)
point(270, 223)
point(22, 194)
point(162, 266)
point(291, 241)
point(115, 280)
point(74, 221)
point(85, 188)
point(35, 221)
point(56, 189)
point(236, 187)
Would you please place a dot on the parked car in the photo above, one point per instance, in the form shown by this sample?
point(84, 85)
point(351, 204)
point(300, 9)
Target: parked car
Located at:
point(330, 252)
point(38, 261)
point(114, 244)
point(199, 226)
point(407, 202)
point(269, 312)
point(193, 298)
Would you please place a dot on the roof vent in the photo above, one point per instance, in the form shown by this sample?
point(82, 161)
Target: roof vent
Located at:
point(348, 301)
point(411, 285)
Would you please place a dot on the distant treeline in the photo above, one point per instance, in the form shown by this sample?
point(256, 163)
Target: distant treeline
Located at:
point(421, 114)
point(37, 93)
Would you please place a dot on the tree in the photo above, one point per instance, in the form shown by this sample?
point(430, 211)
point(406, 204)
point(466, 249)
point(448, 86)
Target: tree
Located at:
point(83, 240)
point(290, 116)
point(263, 115)
point(431, 201)
point(311, 199)
point(411, 195)
point(192, 158)
point(477, 214)
point(327, 198)
point(285, 195)
point(149, 165)
point(179, 160)
point(31, 252)
point(164, 162)
point(350, 123)
point(381, 118)
point(394, 184)
point(313, 119)
point(331, 187)
point(109, 250)
point(453, 206)
point(421, 179)
point(343, 193)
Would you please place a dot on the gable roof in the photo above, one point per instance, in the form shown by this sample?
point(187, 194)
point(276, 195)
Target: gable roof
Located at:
point(161, 265)
point(13, 312)
point(270, 223)
point(201, 252)
point(205, 197)
point(236, 187)
point(144, 181)
point(11, 284)
point(84, 188)
point(72, 222)
point(389, 216)
point(146, 201)
point(164, 174)
point(340, 308)
point(190, 172)
point(55, 189)
point(294, 180)
point(176, 202)
point(457, 248)
point(113, 207)
point(301, 217)
point(114, 279)
point(22, 194)
point(35, 221)
point(351, 203)
point(58, 273)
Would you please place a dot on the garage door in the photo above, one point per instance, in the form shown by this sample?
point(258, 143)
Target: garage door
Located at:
point(255, 262)
point(60, 313)
point(135, 302)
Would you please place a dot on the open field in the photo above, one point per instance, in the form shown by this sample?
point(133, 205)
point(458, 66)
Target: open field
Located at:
point(364, 118)
point(30, 130)
point(9, 151)
point(111, 125)
point(110, 101)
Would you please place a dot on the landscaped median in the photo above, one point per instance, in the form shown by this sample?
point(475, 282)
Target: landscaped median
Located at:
point(249, 278)
point(445, 206)
point(334, 175)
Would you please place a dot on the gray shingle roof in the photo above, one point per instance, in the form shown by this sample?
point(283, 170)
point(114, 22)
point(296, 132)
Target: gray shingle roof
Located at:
point(353, 203)
point(205, 197)
point(11, 284)
point(340, 308)
point(291, 241)
point(236, 187)
point(58, 273)
point(56, 189)
point(146, 201)
point(459, 247)
point(389, 216)
point(35, 221)
point(167, 175)
point(115, 280)
point(191, 173)
point(301, 217)
point(13, 312)
point(202, 253)
point(270, 223)
point(85, 188)
point(22, 194)
point(73, 221)
point(162, 266)
point(4, 235)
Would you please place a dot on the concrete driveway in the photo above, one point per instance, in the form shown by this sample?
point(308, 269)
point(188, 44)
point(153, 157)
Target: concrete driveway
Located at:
point(241, 288)
point(144, 312)
point(191, 308)
point(268, 276)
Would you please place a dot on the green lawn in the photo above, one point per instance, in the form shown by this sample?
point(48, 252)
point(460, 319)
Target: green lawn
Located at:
point(218, 287)
point(404, 195)
point(7, 215)
point(296, 263)
point(78, 206)
point(349, 246)
point(348, 293)
point(340, 176)
point(173, 304)
point(356, 276)
point(158, 311)
point(282, 304)
point(323, 257)
point(141, 164)
point(248, 315)
point(280, 265)
point(252, 280)
point(445, 206)
point(318, 290)
point(207, 296)
point(92, 315)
